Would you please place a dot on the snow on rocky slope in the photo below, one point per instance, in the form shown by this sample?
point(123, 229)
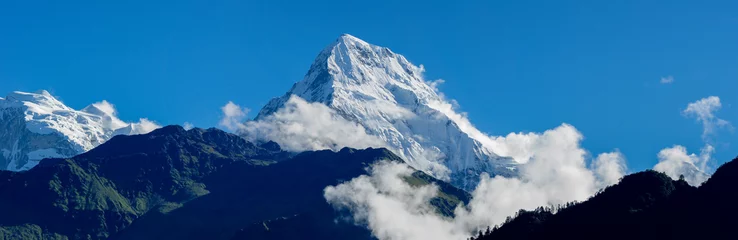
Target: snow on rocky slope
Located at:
point(387, 95)
point(34, 126)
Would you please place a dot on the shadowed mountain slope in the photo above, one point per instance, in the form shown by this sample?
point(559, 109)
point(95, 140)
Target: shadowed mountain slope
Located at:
point(178, 184)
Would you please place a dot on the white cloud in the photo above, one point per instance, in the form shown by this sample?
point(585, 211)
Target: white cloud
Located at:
point(188, 126)
point(667, 80)
point(609, 167)
point(555, 173)
point(704, 111)
point(108, 113)
point(143, 126)
point(301, 126)
point(519, 146)
point(676, 162)
point(106, 107)
point(110, 120)
point(233, 116)
point(390, 207)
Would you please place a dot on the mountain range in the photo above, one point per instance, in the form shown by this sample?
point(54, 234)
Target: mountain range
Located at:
point(368, 85)
point(196, 184)
point(86, 174)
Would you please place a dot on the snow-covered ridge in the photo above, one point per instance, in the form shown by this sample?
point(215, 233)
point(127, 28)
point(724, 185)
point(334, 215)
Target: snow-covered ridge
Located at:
point(386, 94)
point(36, 125)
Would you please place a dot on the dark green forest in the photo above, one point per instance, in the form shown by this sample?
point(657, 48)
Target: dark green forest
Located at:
point(195, 184)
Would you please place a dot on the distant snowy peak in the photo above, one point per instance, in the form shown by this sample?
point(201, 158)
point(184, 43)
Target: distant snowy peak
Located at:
point(36, 125)
point(40, 102)
point(386, 94)
point(353, 68)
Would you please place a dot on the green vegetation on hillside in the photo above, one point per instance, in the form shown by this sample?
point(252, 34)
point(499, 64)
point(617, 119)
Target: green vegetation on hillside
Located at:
point(196, 184)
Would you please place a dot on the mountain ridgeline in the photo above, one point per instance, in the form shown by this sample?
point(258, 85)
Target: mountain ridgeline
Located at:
point(644, 205)
point(187, 184)
point(364, 84)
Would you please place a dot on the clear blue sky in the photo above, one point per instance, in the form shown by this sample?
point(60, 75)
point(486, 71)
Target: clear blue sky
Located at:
point(512, 65)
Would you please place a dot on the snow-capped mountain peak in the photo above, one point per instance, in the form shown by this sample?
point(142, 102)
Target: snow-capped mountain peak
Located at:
point(351, 65)
point(36, 125)
point(387, 95)
point(40, 102)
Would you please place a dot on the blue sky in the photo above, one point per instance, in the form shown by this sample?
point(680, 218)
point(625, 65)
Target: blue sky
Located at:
point(512, 65)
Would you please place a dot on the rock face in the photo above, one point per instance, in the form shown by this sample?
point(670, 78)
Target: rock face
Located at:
point(34, 126)
point(386, 94)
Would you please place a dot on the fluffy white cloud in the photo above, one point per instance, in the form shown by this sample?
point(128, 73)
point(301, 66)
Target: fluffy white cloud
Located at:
point(143, 126)
point(704, 111)
point(301, 126)
point(519, 146)
point(564, 143)
point(107, 111)
point(188, 126)
point(390, 207)
point(555, 173)
point(110, 119)
point(667, 80)
point(105, 107)
point(676, 162)
point(609, 168)
point(233, 116)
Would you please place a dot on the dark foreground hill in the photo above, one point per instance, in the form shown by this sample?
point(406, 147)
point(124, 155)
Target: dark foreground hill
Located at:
point(196, 184)
point(645, 205)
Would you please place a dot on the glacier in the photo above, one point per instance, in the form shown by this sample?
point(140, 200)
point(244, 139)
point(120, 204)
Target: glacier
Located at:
point(387, 95)
point(36, 125)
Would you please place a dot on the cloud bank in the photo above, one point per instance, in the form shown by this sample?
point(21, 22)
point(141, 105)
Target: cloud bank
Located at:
point(300, 126)
point(390, 207)
point(556, 173)
point(555, 170)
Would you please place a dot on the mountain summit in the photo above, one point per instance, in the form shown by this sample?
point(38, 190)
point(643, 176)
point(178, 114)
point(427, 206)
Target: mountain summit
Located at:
point(36, 125)
point(386, 94)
